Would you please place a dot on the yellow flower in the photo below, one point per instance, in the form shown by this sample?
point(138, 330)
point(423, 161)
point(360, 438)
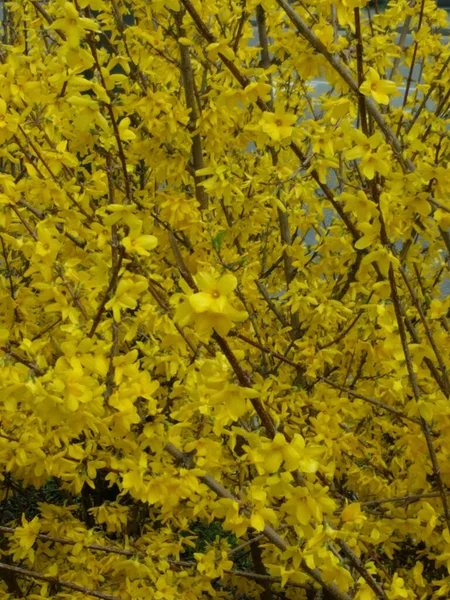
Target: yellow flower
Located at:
point(78, 355)
point(28, 532)
point(126, 296)
point(336, 108)
point(58, 157)
point(8, 122)
point(87, 113)
point(255, 90)
point(112, 515)
point(103, 234)
point(124, 130)
point(26, 536)
point(373, 158)
point(364, 592)
point(211, 565)
point(382, 257)
point(73, 25)
point(47, 246)
point(397, 588)
point(371, 233)
point(278, 125)
point(3, 112)
point(379, 89)
point(211, 307)
point(360, 205)
point(139, 244)
point(351, 512)
point(294, 454)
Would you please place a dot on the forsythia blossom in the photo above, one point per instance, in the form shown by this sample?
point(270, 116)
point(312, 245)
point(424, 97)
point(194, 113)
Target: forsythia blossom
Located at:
point(278, 125)
point(379, 89)
point(211, 307)
point(26, 536)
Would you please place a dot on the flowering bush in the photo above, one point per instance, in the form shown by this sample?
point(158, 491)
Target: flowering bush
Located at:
point(221, 299)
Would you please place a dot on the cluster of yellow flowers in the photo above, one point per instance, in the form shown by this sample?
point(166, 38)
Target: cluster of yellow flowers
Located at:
point(224, 326)
point(210, 308)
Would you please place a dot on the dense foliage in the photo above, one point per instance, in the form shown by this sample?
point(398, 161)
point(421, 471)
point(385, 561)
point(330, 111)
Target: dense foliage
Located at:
point(224, 343)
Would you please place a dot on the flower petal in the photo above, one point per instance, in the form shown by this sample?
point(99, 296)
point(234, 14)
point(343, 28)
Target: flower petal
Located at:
point(200, 302)
point(227, 284)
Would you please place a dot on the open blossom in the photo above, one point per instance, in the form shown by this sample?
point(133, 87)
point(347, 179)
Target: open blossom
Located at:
point(371, 151)
point(135, 243)
point(379, 89)
point(26, 537)
point(278, 125)
point(210, 308)
point(73, 26)
point(126, 296)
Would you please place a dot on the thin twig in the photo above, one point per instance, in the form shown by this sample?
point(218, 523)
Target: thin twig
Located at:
point(416, 391)
point(377, 403)
point(67, 584)
point(189, 93)
point(269, 532)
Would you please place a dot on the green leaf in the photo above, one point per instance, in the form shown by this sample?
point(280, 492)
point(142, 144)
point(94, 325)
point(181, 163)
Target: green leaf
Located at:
point(218, 239)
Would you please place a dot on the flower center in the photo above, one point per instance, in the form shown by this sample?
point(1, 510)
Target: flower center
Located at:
point(215, 294)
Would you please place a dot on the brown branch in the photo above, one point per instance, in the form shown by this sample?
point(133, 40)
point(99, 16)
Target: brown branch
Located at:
point(346, 330)
point(138, 75)
point(111, 368)
point(406, 28)
point(240, 27)
point(360, 66)
point(271, 304)
point(67, 584)
point(202, 28)
point(110, 110)
point(24, 361)
point(377, 403)
point(46, 329)
point(252, 316)
point(411, 68)
point(8, 269)
point(340, 291)
point(261, 573)
point(189, 93)
point(108, 294)
point(346, 75)
point(402, 499)
point(245, 544)
point(429, 334)
point(40, 9)
point(244, 81)
point(361, 568)
point(281, 357)
point(427, 95)
point(25, 223)
point(268, 578)
point(283, 218)
point(57, 540)
point(184, 563)
point(38, 154)
point(73, 294)
point(10, 438)
point(269, 532)
point(245, 381)
point(416, 391)
point(181, 263)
